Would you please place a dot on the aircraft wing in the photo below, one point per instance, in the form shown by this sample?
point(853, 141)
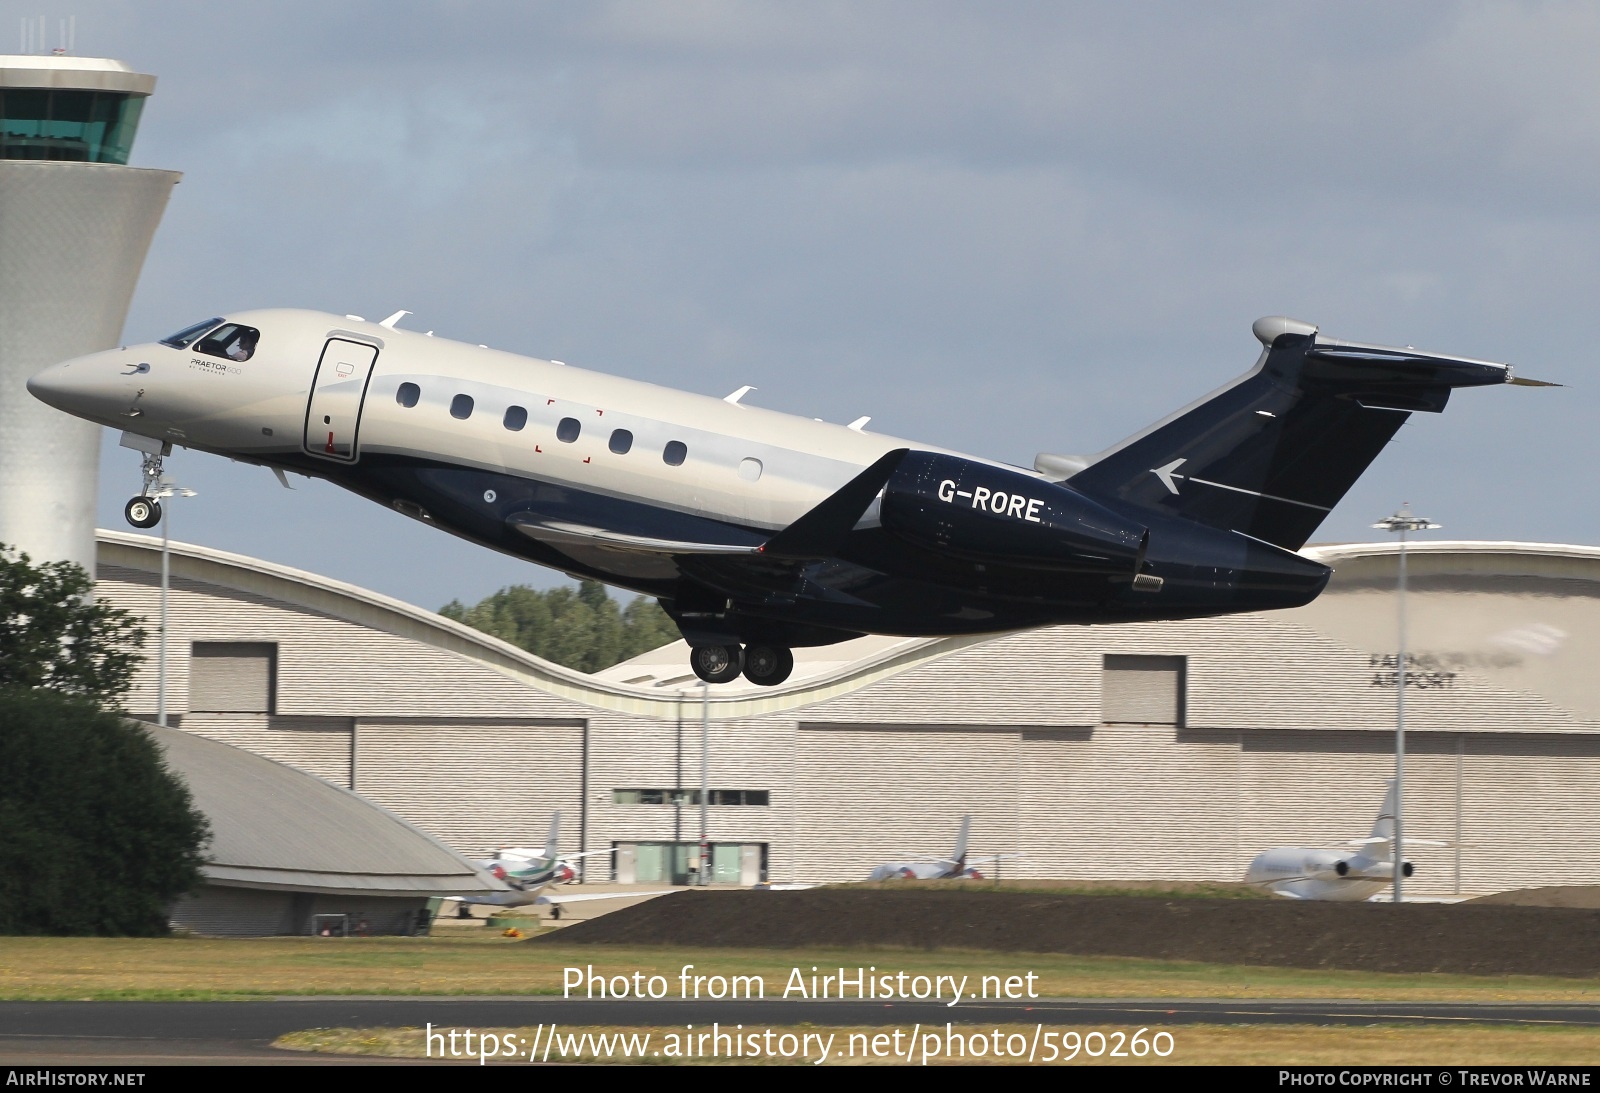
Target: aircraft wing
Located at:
point(512, 898)
point(603, 895)
point(560, 533)
point(816, 534)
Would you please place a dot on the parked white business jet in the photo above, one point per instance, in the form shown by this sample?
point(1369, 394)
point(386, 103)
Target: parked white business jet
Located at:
point(758, 531)
point(956, 865)
point(1337, 874)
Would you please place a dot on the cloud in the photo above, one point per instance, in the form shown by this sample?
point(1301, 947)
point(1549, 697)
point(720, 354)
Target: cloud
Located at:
point(1005, 228)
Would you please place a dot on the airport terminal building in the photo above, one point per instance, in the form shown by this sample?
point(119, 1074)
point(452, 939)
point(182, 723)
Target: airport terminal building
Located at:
point(1170, 750)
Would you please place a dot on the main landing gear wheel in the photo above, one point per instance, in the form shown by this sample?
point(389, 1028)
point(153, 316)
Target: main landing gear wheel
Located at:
point(767, 665)
point(143, 512)
point(717, 663)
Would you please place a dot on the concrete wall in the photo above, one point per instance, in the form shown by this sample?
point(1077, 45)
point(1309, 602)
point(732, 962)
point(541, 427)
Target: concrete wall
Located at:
point(1287, 739)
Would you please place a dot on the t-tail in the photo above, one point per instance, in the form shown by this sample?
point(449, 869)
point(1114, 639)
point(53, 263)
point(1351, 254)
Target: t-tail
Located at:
point(1379, 846)
point(1273, 452)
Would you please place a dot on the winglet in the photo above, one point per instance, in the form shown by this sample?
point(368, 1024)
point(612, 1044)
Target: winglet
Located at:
point(819, 532)
point(396, 317)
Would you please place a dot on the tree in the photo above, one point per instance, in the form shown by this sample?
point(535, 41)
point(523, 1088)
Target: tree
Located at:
point(99, 837)
point(96, 835)
point(582, 628)
point(54, 635)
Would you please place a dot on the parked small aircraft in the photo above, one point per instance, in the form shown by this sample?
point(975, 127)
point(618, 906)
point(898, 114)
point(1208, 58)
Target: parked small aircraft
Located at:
point(956, 865)
point(1337, 874)
point(529, 871)
point(758, 531)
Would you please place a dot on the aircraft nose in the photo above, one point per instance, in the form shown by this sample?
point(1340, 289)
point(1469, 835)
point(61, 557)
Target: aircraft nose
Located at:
point(54, 385)
point(81, 385)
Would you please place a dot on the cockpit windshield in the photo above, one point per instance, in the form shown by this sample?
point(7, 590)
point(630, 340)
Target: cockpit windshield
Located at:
point(231, 341)
point(182, 338)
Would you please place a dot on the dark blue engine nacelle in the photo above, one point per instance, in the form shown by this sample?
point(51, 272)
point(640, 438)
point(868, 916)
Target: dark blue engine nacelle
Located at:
point(985, 513)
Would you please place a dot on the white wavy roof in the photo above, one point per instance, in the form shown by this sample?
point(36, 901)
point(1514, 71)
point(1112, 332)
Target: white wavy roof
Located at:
point(656, 684)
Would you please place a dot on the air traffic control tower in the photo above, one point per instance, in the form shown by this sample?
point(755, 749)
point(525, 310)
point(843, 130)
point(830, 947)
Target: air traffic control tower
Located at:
point(75, 223)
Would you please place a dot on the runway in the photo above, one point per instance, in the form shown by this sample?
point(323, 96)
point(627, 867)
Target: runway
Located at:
point(156, 1033)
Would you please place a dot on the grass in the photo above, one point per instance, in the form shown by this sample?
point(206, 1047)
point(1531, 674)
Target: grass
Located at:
point(1191, 1045)
point(211, 968)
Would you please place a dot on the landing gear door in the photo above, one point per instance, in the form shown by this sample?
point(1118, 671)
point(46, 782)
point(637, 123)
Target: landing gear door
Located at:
point(333, 415)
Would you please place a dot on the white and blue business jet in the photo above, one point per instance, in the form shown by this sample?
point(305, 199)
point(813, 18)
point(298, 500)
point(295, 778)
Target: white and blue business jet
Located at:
point(759, 531)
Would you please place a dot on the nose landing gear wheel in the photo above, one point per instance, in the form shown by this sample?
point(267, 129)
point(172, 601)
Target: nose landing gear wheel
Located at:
point(767, 665)
point(717, 663)
point(143, 512)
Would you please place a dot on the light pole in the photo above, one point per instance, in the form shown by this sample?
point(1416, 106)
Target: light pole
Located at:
point(705, 781)
point(165, 489)
point(1401, 522)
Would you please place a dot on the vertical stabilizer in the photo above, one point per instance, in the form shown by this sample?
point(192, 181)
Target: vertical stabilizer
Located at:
point(1272, 453)
point(552, 841)
point(959, 855)
point(1380, 844)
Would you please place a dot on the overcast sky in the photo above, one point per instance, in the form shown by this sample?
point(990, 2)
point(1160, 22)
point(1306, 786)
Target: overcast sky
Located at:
point(1002, 227)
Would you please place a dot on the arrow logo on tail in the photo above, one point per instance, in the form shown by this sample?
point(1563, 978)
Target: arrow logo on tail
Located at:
point(1166, 474)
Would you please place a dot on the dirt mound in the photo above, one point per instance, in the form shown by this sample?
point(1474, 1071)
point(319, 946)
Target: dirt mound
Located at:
point(1463, 938)
point(1188, 888)
point(1572, 895)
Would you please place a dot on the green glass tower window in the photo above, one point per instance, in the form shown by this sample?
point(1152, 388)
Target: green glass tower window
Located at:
point(79, 126)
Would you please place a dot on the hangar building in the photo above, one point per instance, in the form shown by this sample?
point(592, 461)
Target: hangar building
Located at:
point(291, 854)
point(1172, 750)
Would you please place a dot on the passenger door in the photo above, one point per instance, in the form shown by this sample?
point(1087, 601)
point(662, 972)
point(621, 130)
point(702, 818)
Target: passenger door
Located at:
point(333, 414)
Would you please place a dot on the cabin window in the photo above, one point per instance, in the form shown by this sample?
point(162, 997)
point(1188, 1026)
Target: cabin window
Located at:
point(182, 338)
point(675, 453)
point(516, 418)
point(750, 469)
point(461, 407)
point(621, 442)
point(231, 342)
point(408, 394)
point(567, 431)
